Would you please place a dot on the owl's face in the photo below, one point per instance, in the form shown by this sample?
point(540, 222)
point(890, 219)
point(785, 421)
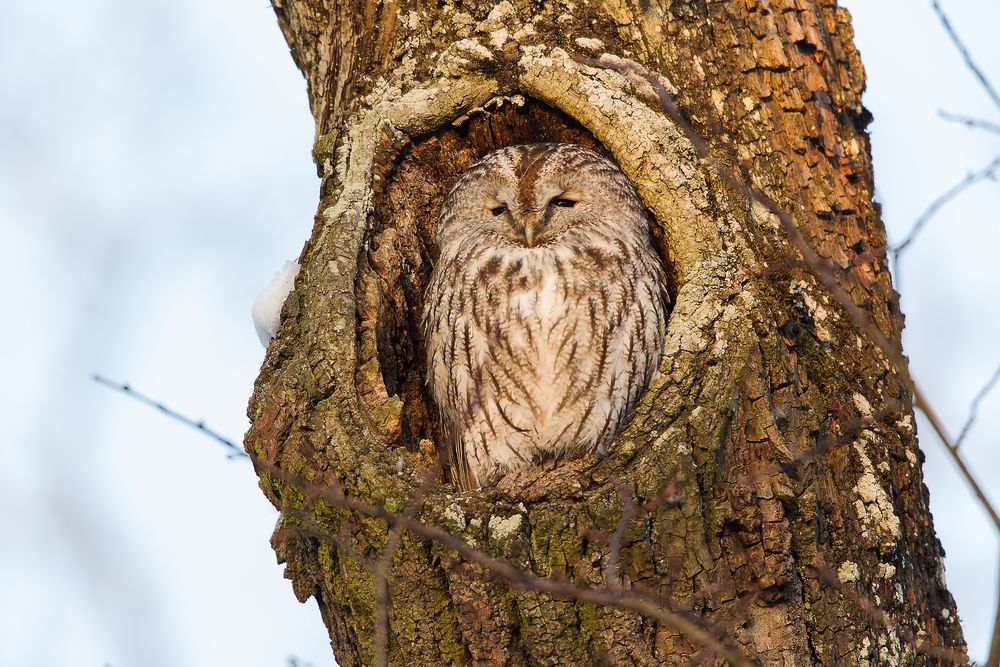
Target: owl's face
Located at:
point(537, 195)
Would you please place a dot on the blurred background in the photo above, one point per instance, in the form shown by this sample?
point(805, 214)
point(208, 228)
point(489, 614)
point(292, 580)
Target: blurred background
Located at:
point(155, 172)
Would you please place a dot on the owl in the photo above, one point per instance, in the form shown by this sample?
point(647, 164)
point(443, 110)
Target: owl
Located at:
point(545, 315)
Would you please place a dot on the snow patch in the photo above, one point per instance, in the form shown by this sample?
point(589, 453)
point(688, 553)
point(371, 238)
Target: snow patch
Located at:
point(266, 310)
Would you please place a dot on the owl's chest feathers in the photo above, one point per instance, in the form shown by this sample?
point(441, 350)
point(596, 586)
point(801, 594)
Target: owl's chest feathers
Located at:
point(539, 329)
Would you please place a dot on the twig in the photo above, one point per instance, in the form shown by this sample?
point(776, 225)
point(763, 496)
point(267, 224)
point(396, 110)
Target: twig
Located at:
point(974, 407)
point(511, 574)
point(993, 659)
point(400, 522)
point(966, 56)
point(825, 271)
point(969, 121)
point(381, 573)
point(612, 576)
point(825, 443)
point(920, 401)
point(987, 172)
point(235, 451)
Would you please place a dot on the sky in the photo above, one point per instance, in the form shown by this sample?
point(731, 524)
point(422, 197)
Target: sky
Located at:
point(155, 172)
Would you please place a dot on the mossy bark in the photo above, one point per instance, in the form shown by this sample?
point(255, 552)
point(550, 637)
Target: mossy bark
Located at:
point(781, 426)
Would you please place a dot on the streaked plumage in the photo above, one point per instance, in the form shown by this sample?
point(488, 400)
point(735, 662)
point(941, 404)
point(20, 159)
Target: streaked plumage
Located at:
point(545, 315)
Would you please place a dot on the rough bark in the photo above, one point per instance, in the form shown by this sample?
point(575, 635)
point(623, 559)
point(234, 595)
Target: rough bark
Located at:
point(785, 430)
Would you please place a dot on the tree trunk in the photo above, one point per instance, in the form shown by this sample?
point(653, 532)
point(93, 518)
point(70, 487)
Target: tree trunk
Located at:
point(783, 430)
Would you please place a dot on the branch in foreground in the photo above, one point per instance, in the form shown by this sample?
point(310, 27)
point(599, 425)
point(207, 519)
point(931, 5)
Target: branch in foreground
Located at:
point(824, 270)
point(612, 576)
point(624, 600)
point(381, 568)
point(613, 596)
point(921, 402)
point(966, 56)
point(969, 121)
point(235, 452)
point(974, 407)
point(987, 172)
point(993, 659)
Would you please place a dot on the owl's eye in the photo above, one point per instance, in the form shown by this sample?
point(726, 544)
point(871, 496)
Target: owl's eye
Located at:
point(499, 210)
point(563, 202)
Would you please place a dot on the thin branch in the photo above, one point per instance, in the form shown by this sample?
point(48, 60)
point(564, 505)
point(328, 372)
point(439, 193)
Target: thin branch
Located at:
point(612, 576)
point(974, 407)
point(987, 172)
point(824, 270)
point(966, 56)
point(235, 451)
point(993, 660)
point(969, 121)
point(825, 442)
point(627, 601)
point(381, 573)
point(920, 401)
point(400, 522)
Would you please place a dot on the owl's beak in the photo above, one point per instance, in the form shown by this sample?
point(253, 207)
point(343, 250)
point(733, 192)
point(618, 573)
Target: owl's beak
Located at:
point(531, 232)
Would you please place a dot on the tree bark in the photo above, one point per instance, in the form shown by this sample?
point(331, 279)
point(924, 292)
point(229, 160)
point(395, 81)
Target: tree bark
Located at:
point(784, 430)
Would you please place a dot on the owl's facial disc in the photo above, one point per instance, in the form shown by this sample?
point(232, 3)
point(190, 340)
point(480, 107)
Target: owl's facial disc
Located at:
point(533, 219)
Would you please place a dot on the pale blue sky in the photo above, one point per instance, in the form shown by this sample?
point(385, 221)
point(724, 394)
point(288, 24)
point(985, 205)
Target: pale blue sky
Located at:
point(155, 172)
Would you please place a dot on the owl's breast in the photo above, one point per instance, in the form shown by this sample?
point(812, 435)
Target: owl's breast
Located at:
point(549, 329)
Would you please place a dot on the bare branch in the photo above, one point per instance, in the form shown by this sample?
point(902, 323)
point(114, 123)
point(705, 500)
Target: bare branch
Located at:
point(987, 172)
point(825, 443)
point(824, 270)
point(925, 407)
point(993, 659)
point(381, 572)
point(627, 601)
point(966, 56)
point(969, 121)
point(974, 407)
point(640, 604)
point(612, 576)
point(235, 451)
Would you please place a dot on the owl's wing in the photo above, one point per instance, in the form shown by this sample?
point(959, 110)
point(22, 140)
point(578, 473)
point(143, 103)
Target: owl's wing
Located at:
point(437, 338)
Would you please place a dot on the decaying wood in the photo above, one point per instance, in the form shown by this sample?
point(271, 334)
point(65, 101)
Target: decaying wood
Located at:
point(784, 429)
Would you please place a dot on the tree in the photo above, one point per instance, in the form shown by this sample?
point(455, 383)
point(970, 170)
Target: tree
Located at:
point(766, 500)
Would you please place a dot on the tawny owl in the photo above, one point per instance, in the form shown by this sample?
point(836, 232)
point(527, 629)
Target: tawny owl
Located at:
point(545, 315)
